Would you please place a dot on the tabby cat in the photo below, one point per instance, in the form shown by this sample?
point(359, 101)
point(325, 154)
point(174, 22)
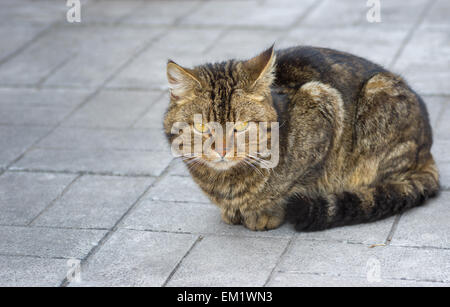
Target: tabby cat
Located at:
point(354, 138)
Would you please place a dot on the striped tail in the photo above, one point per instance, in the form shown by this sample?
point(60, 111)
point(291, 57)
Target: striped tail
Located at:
point(368, 205)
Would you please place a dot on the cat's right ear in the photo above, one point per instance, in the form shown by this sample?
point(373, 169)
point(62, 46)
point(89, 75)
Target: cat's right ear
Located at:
point(182, 81)
point(262, 68)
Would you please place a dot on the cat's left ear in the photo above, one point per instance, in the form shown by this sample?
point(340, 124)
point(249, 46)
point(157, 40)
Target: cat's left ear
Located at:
point(262, 68)
point(182, 81)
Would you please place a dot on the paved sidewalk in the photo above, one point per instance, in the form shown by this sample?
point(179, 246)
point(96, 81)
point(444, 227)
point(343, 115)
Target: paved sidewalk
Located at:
point(86, 175)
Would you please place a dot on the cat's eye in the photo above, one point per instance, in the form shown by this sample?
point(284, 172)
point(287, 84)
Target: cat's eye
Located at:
point(200, 127)
point(241, 126)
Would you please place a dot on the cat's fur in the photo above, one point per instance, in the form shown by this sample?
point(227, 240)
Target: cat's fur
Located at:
point(354, 138)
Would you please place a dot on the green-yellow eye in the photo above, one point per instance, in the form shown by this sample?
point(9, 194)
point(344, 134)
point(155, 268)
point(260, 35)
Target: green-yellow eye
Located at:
point(241, 126)
point(200, 127)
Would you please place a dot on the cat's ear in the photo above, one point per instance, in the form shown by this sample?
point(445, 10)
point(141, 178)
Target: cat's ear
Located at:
point(182, 81)
point(262, 68)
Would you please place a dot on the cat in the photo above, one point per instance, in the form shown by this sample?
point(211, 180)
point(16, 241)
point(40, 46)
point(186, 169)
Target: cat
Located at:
point(354, 138)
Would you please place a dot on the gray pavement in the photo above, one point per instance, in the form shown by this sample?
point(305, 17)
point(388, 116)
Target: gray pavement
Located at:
point(90, 194)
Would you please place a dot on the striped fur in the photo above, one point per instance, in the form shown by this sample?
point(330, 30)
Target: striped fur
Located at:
point(355, 140)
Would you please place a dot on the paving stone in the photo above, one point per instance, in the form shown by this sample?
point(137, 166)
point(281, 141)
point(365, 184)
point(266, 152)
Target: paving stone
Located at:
point(32, 272)
point(440, 150)
point(368, 233)
point(179, 41)
point(154, 117)
point(135, 258)
point(277, 13)
point(190, 218)
point(41, 116)
point(94, 202)
point(24, 195)
point(102, 51)
point(435, 106)
point(33, 12)
point(14, 141)
point(144, 72)
point(198, 217)
point(437, 17)
point(242, 44)
point(107, 109)
point(148, 70)
point(45, 242)
point(41, 58)
point(442, 130)
point(232, 261)
point(113, 162)
point(108, 11)
point(221, 13)
point(331, 14)
point(17, 36)
point(444, 175)
point(74, 56)
point(426, 225)
point(289, 279)
point(160, 12)
point(425, 60)
point(43, 97)
point(37, 107)
point(396, 14)
point(376, 44)
point(247, 13)
point(174, 188)
point(178, 168)
point(118, 132)
point(355, 260)
point(96, 139)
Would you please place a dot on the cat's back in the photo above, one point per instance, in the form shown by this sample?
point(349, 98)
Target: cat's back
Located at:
point(343, 71)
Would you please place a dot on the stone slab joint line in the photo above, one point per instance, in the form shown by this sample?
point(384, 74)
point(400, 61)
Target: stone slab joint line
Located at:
point(27, 44)
point(92, 95)
point(175, 269)
point(52, 203)
point(85, 261)
point(158, 99)
point(280, 258)
point(411, 32)
point(397, 55)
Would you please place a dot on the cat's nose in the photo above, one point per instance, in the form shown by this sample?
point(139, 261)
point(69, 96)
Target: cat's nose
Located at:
point(222, 150)
point(222, 153)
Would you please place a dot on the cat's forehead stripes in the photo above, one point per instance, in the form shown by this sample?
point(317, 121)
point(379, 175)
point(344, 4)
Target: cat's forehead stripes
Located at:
point(221, 80)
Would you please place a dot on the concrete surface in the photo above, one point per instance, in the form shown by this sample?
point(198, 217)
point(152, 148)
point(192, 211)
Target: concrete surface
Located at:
point(86, 175)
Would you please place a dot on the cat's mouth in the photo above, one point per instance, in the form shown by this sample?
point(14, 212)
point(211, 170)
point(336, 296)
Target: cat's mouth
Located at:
point(222, 164)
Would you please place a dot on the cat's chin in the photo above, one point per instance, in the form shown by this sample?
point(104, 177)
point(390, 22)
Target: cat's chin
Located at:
point(222, 165)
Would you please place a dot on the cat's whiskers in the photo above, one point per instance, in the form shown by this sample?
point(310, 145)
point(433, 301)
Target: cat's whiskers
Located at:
point(248, 162)
point(261, 161)
point(270, 170)
point(191, 160)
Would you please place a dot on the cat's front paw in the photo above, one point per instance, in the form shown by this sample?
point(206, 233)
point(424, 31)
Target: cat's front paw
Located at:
point(232, 217)
point(262, 221)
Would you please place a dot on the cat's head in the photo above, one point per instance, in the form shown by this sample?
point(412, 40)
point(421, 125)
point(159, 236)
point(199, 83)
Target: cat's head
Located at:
point(223, 102)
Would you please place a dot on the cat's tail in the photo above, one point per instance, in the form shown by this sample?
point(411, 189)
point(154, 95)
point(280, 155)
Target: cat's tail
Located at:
point(366, 204)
